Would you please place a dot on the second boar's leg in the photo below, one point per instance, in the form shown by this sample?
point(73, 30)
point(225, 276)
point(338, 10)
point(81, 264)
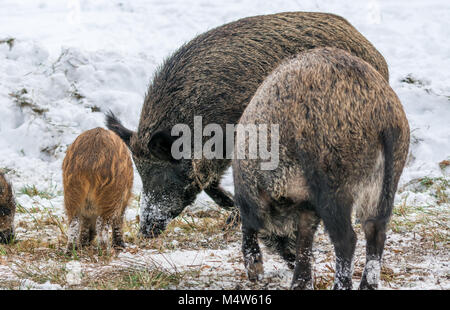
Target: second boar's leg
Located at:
point(220, 196)
point(336, 217)
point(307, 227)
point(224, 200)
point(281, 245)
point(375, 231)
point(252, 254)
point(117, 232)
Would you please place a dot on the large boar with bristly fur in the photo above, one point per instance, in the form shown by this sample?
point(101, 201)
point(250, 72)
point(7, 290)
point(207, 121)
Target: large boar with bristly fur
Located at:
point(214, 76)
point(343, 143)
point(97, 179)
point(7, 210)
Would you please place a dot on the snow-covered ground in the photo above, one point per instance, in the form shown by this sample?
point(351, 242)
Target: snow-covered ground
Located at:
point(63, 63)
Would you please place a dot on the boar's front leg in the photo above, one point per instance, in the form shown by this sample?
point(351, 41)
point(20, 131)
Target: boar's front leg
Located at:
point(224, 200)
point(252, 254)
point(220, 196)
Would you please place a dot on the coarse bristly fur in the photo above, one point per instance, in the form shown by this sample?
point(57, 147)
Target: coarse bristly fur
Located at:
point(343, 143)
point(214, 76)
point(97, 178)
point(7, 210)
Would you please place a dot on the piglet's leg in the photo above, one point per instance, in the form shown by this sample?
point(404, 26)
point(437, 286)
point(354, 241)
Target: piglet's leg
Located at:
point(73, 234)
point(117, 232)
point(103, 233)
point(87, 227)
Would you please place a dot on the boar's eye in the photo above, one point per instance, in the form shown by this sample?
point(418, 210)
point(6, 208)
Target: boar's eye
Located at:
point(160, 145)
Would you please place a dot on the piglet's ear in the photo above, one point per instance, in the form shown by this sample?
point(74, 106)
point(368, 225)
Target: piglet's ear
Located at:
point(160, 145)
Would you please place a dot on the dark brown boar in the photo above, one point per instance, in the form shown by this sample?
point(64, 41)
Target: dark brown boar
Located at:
point(214, 76)
point(343, 142)
point(7, 210)
point(97, 179)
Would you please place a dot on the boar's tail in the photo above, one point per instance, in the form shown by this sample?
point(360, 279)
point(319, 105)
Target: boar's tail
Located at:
point(385, 203)
point(114, 124)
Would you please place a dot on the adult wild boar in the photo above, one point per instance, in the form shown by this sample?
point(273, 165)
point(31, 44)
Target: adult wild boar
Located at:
point(343, 142)
point(214, 76)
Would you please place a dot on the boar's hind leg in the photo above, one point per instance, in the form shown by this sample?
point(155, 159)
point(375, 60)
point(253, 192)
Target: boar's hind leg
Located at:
point(224, 200)
point(336, 217)
point(252, 254)
point(374, 225)
point(307, 227)
point(375, 231)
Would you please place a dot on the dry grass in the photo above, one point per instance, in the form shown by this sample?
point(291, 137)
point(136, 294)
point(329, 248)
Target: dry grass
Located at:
point(22, 100)
point(39, 255)
point(33, 191)
point(9, 41)
point(444, 164)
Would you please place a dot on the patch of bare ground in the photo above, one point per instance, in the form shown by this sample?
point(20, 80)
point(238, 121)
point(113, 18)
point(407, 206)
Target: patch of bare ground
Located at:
point(198, 250)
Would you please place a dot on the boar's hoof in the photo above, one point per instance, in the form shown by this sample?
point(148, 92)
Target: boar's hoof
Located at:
point(302, 284)
point(254, 266)
point(71, 249)
point(6, 236)
point(367, 286)
point(343, 284)
point(119, 245)
point(371, 275)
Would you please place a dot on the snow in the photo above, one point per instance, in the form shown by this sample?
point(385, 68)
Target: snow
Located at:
point(106, 52)
point(75, 58)
point(31, 285)
point(74, 274)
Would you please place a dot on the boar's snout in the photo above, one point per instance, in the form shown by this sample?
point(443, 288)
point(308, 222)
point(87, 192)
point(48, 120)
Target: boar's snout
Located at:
point(154, 217)
point(152, 228)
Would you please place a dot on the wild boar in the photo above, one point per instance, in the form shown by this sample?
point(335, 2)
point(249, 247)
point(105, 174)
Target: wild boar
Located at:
point(7, 210)
point(343, 139)
point(97, 180)
point(214, 76)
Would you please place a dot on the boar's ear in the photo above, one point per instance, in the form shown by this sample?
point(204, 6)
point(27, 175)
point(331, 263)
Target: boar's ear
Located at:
point(114, 124)
point(160, 145)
